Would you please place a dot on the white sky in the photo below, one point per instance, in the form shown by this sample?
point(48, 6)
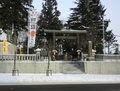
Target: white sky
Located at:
point(8, 79)
point(112, 12)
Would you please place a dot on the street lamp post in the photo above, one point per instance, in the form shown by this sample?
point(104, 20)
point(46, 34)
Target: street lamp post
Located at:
point(103, 25)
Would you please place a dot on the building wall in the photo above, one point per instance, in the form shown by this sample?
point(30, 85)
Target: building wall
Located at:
point(10, 48)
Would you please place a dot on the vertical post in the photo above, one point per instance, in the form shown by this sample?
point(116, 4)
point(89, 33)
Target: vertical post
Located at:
point(78, 47)
point(48, 71)
point(78, 42)
point(27, 50)
point(53, 41)
point(103, 37)
point(48, 60)
point(28, 35)
point(53, 56)
point(89, 49)
point(90, 57)
point(48, 64)
point(14, 71)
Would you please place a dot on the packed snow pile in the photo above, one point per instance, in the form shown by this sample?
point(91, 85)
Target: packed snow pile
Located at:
point(57, 79)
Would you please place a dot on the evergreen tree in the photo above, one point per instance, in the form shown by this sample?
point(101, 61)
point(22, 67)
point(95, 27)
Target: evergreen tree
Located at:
point(88, 14)
point(14, 12)
point(14, 15)
point(116, 49)
point(109, 40)
point(48, 19)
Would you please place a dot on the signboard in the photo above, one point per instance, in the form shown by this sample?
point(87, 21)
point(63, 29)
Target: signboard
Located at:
point(32, 28)
point(4, 45)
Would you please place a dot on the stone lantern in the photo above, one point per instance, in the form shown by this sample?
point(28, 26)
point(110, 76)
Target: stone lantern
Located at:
point(78, 53)
point(38, 53)
point(54, 53)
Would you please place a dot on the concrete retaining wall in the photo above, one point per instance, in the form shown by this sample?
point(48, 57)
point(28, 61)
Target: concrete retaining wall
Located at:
point(102, 67)
point(107, 57)
point(30, 66)
point(89, 67)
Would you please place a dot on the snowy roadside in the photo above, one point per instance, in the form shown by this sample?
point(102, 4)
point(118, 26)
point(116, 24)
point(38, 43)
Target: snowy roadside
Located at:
point(24, 79)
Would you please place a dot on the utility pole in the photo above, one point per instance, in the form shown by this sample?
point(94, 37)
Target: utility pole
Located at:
point(103, 25)
point(103, 36)
point(28, 32)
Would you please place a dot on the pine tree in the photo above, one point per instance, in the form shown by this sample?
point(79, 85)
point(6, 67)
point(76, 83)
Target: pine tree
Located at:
point(109, 40)
point(49, 17)
point(87, 15)
point(14, 11)
point(14, 15)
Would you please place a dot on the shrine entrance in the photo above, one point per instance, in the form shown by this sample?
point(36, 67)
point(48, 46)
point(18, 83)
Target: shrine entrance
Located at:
point(66, 49)
point(65, 43)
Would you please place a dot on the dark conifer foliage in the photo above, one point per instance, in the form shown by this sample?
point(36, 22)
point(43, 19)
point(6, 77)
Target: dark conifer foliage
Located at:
point(110, 40)
point(49, 17)
point(89, 15)
point(14, 11)
point(14, 16)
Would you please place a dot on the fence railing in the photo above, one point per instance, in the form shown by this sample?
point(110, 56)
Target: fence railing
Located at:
point(33, 57)
point(19, 57)
point(107, 57)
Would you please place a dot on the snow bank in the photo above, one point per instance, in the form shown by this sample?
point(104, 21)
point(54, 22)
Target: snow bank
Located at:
point(57, 79)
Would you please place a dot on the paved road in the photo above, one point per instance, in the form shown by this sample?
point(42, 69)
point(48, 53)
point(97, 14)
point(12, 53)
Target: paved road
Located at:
point(66, 87)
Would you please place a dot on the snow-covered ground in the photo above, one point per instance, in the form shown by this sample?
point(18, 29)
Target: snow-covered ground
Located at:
point(24, 79)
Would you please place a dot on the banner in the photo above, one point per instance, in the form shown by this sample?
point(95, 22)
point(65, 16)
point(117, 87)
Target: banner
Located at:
point(4, 45)
point(32, 28)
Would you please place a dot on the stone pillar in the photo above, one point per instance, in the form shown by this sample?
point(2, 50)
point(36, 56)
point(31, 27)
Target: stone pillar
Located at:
point(89, 49)
point(90, 57)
